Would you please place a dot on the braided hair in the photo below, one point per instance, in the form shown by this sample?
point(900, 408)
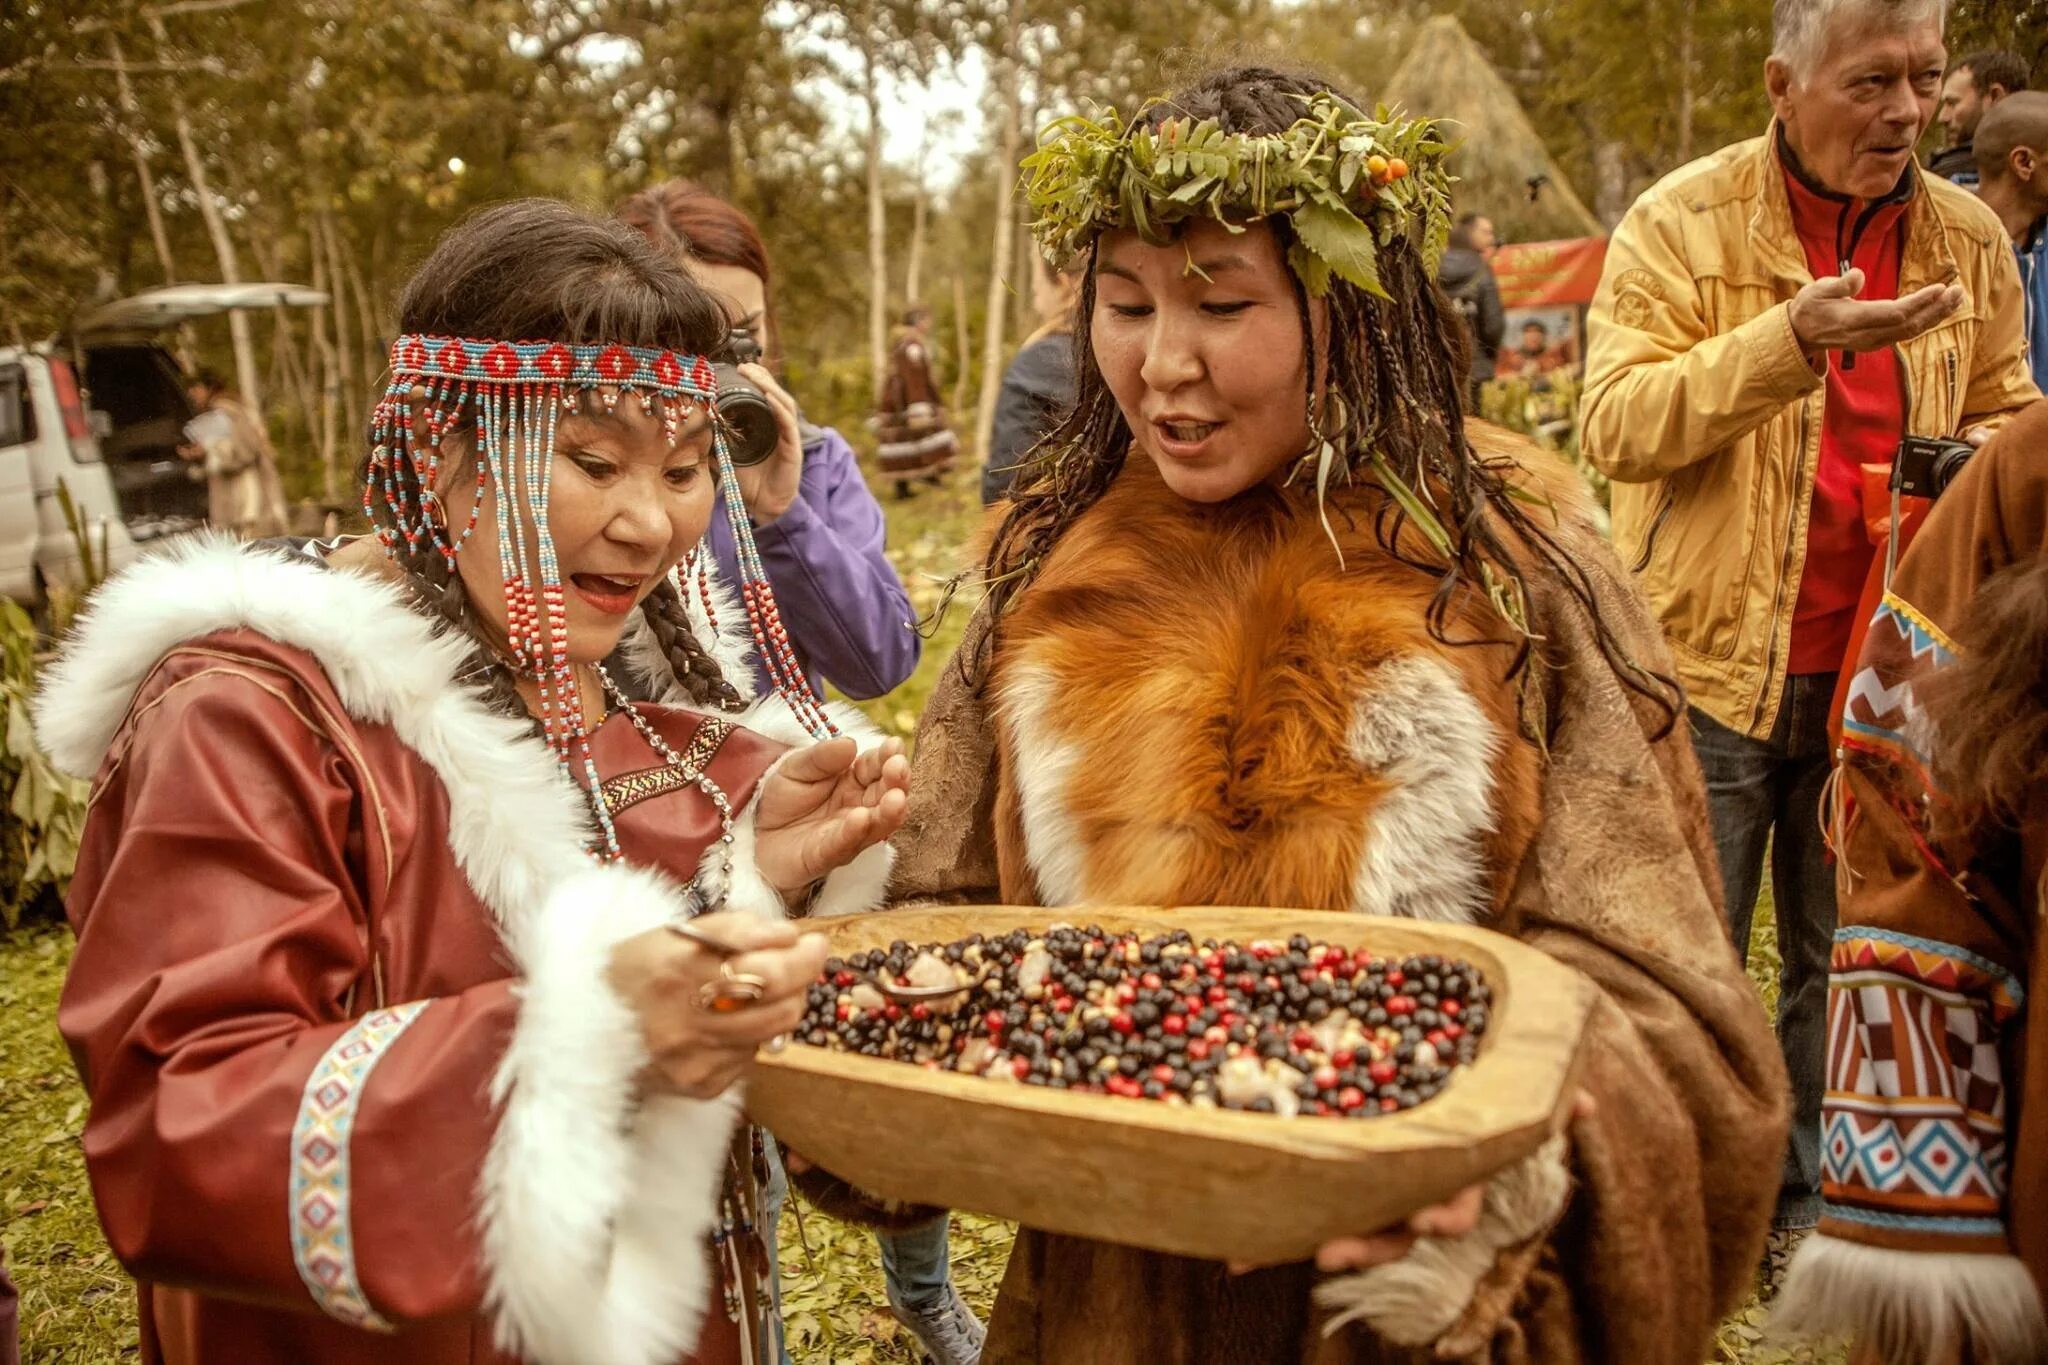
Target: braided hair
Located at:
point(1393, 384)
point(537, 268)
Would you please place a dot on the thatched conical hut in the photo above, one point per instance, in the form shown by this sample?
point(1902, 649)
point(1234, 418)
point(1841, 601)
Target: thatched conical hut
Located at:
point(1445, 75)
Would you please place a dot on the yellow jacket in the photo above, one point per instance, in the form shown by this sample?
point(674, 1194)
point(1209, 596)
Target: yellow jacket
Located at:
point(1701, 407)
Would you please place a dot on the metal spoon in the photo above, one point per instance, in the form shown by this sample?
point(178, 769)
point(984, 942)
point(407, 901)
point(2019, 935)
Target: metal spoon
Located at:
point(888, 990)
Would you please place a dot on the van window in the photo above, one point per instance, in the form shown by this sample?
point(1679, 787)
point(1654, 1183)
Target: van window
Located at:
point(17, 407)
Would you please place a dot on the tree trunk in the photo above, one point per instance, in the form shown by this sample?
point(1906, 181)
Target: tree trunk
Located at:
point(1687, 22)
point(217, 230)
point(913, 274)
point(131, 114)
point(333, 393)
point(1610, 181)
point(351, 398)
point(878, 225)
point(1007, 82)
point(962, 348)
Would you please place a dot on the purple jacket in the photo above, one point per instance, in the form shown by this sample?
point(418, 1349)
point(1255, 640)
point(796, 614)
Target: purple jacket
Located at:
point(847, 614)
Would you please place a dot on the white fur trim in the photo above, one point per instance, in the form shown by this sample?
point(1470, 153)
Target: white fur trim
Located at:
point(1415, 1299)
point(595, 1213)
point(594, 1203)
point(1044, 766)
point(1912, 1306)
point(1420, 729)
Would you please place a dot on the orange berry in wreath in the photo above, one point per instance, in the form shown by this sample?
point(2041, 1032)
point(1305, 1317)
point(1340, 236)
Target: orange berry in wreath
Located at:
point(1377, 167)
point(1397, 169)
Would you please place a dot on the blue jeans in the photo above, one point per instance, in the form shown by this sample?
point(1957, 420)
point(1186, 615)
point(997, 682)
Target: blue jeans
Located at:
point(1766, 795)
point(916, 1264)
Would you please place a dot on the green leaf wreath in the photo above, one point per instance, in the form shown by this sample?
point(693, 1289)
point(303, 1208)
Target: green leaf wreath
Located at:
point(1348, 184)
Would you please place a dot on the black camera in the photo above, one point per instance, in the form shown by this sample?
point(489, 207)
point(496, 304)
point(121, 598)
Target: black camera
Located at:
point(751, 429)
point(1926, 465)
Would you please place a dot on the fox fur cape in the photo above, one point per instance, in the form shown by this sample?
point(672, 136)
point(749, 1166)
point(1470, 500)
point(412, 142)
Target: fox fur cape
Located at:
point(1200, 705)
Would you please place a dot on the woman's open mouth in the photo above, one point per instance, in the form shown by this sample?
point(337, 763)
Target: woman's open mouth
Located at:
point(610, 594)
point(1182, 438)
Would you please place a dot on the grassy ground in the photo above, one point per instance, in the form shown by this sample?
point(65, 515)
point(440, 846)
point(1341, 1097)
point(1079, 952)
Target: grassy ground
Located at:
point(77, 1307)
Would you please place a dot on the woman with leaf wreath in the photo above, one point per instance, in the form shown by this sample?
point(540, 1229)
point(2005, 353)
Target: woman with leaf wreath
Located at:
point(1270, 624)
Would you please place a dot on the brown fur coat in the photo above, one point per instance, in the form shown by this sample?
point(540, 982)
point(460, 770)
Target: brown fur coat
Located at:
point(1197, 705)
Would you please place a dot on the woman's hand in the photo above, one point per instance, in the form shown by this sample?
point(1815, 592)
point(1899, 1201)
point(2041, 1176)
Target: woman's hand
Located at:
point(700, 1052)
point(768, 488)
point(1455, 1216)
point(823, 805)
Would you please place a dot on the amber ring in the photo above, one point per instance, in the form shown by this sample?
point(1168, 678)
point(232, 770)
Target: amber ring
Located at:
point(732, 991)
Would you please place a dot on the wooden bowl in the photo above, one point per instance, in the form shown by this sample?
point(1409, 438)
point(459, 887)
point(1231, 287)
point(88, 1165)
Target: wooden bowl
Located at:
point(1210, 1183)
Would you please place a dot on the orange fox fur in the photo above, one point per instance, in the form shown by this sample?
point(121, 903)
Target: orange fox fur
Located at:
point(1195, 681)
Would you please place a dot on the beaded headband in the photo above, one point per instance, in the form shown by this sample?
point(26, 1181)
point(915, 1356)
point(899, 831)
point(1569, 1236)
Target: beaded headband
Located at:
point(515, 393)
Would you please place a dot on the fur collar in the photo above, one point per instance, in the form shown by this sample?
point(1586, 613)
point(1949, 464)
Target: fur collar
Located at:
point(595, 1204)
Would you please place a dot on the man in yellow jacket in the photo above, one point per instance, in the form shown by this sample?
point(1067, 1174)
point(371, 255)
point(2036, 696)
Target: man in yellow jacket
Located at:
point(1770, 322)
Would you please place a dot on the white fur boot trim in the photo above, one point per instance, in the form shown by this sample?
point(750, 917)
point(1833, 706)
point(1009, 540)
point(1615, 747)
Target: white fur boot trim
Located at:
point(1913, 1306)
point(1416, 1299)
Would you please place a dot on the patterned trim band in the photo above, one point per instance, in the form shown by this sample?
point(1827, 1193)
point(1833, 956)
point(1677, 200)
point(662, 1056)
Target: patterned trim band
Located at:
point(630, 789)
point(470, 360)
point(1941, 966)
point(323, 1247)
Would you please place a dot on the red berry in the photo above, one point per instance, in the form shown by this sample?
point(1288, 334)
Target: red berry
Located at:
point(1449, 1008)
point(1401, 1004)
point(1382, 1073)
point(1126, 993)
point(1020, 1067)
point(1218, 994)
point(1191, 1003)
point(1163, 1074)
point(1175, 1024)
point(1350, 1098)
point(892, 1012)
point(1435, 1037)
point(1389, 1105)
point(1322, 1108)
point(920, 1011)
point(993, 1020)
point(1150, 981)
point(1454, 1031)
point(1123, 1023)
point(1198, 1049)
point(1326, 1077)
point(844, 979)
point(1363, 957)
point(1231, 1019)
point(1303, 1040)
point(1396, 977)
point(1344, 1058)
point(1247, 983)
point(844, 1011)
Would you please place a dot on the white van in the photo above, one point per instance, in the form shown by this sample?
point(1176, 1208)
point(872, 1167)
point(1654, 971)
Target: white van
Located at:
point(110, 435)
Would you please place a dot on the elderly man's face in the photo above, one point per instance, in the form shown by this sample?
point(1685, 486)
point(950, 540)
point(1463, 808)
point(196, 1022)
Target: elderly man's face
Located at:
point(1855, 116)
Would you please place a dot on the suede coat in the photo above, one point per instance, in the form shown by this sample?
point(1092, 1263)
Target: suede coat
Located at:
point(1201, 705)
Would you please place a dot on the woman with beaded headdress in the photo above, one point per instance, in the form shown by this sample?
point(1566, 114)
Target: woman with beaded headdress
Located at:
point(415, 965)
point(1267, 622)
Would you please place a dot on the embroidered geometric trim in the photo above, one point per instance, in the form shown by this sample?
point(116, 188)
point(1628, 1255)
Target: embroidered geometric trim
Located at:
point(1905, 1222)
point(474, 360)
point(1929, 962)
point(323, 1246)
point(1880, 713)
point(629, 789)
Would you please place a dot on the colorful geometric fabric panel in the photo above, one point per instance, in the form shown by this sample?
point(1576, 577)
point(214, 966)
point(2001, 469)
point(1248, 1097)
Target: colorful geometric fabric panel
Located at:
point(323, 1247)
point(1880, 714)
point(1913, 1136)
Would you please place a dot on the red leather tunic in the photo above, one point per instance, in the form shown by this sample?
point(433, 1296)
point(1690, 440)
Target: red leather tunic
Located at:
point(259, 871)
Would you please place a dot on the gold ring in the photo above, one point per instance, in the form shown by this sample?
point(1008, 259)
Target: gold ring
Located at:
point(732, 991)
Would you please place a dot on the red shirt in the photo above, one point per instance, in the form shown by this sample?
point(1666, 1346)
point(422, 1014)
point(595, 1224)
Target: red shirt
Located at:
point(1862, 419)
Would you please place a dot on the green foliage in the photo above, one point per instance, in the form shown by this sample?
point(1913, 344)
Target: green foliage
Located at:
point(1348, 183)
point(45, 809)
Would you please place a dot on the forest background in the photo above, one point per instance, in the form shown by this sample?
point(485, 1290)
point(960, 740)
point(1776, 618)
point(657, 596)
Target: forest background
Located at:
point(330, 142)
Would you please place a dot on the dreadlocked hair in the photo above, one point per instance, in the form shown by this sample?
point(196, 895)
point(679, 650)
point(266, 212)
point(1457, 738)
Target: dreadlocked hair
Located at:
point(1393, 392)
point(537, 268)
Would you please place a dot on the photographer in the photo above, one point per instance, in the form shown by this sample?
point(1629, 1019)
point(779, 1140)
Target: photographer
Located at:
point(1934, 1242)
point(1769, 319)
point(816, 524)
point(819, 531)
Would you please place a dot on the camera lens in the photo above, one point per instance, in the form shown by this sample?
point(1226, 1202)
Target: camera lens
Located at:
point(1942, 470)
point(749, 418)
